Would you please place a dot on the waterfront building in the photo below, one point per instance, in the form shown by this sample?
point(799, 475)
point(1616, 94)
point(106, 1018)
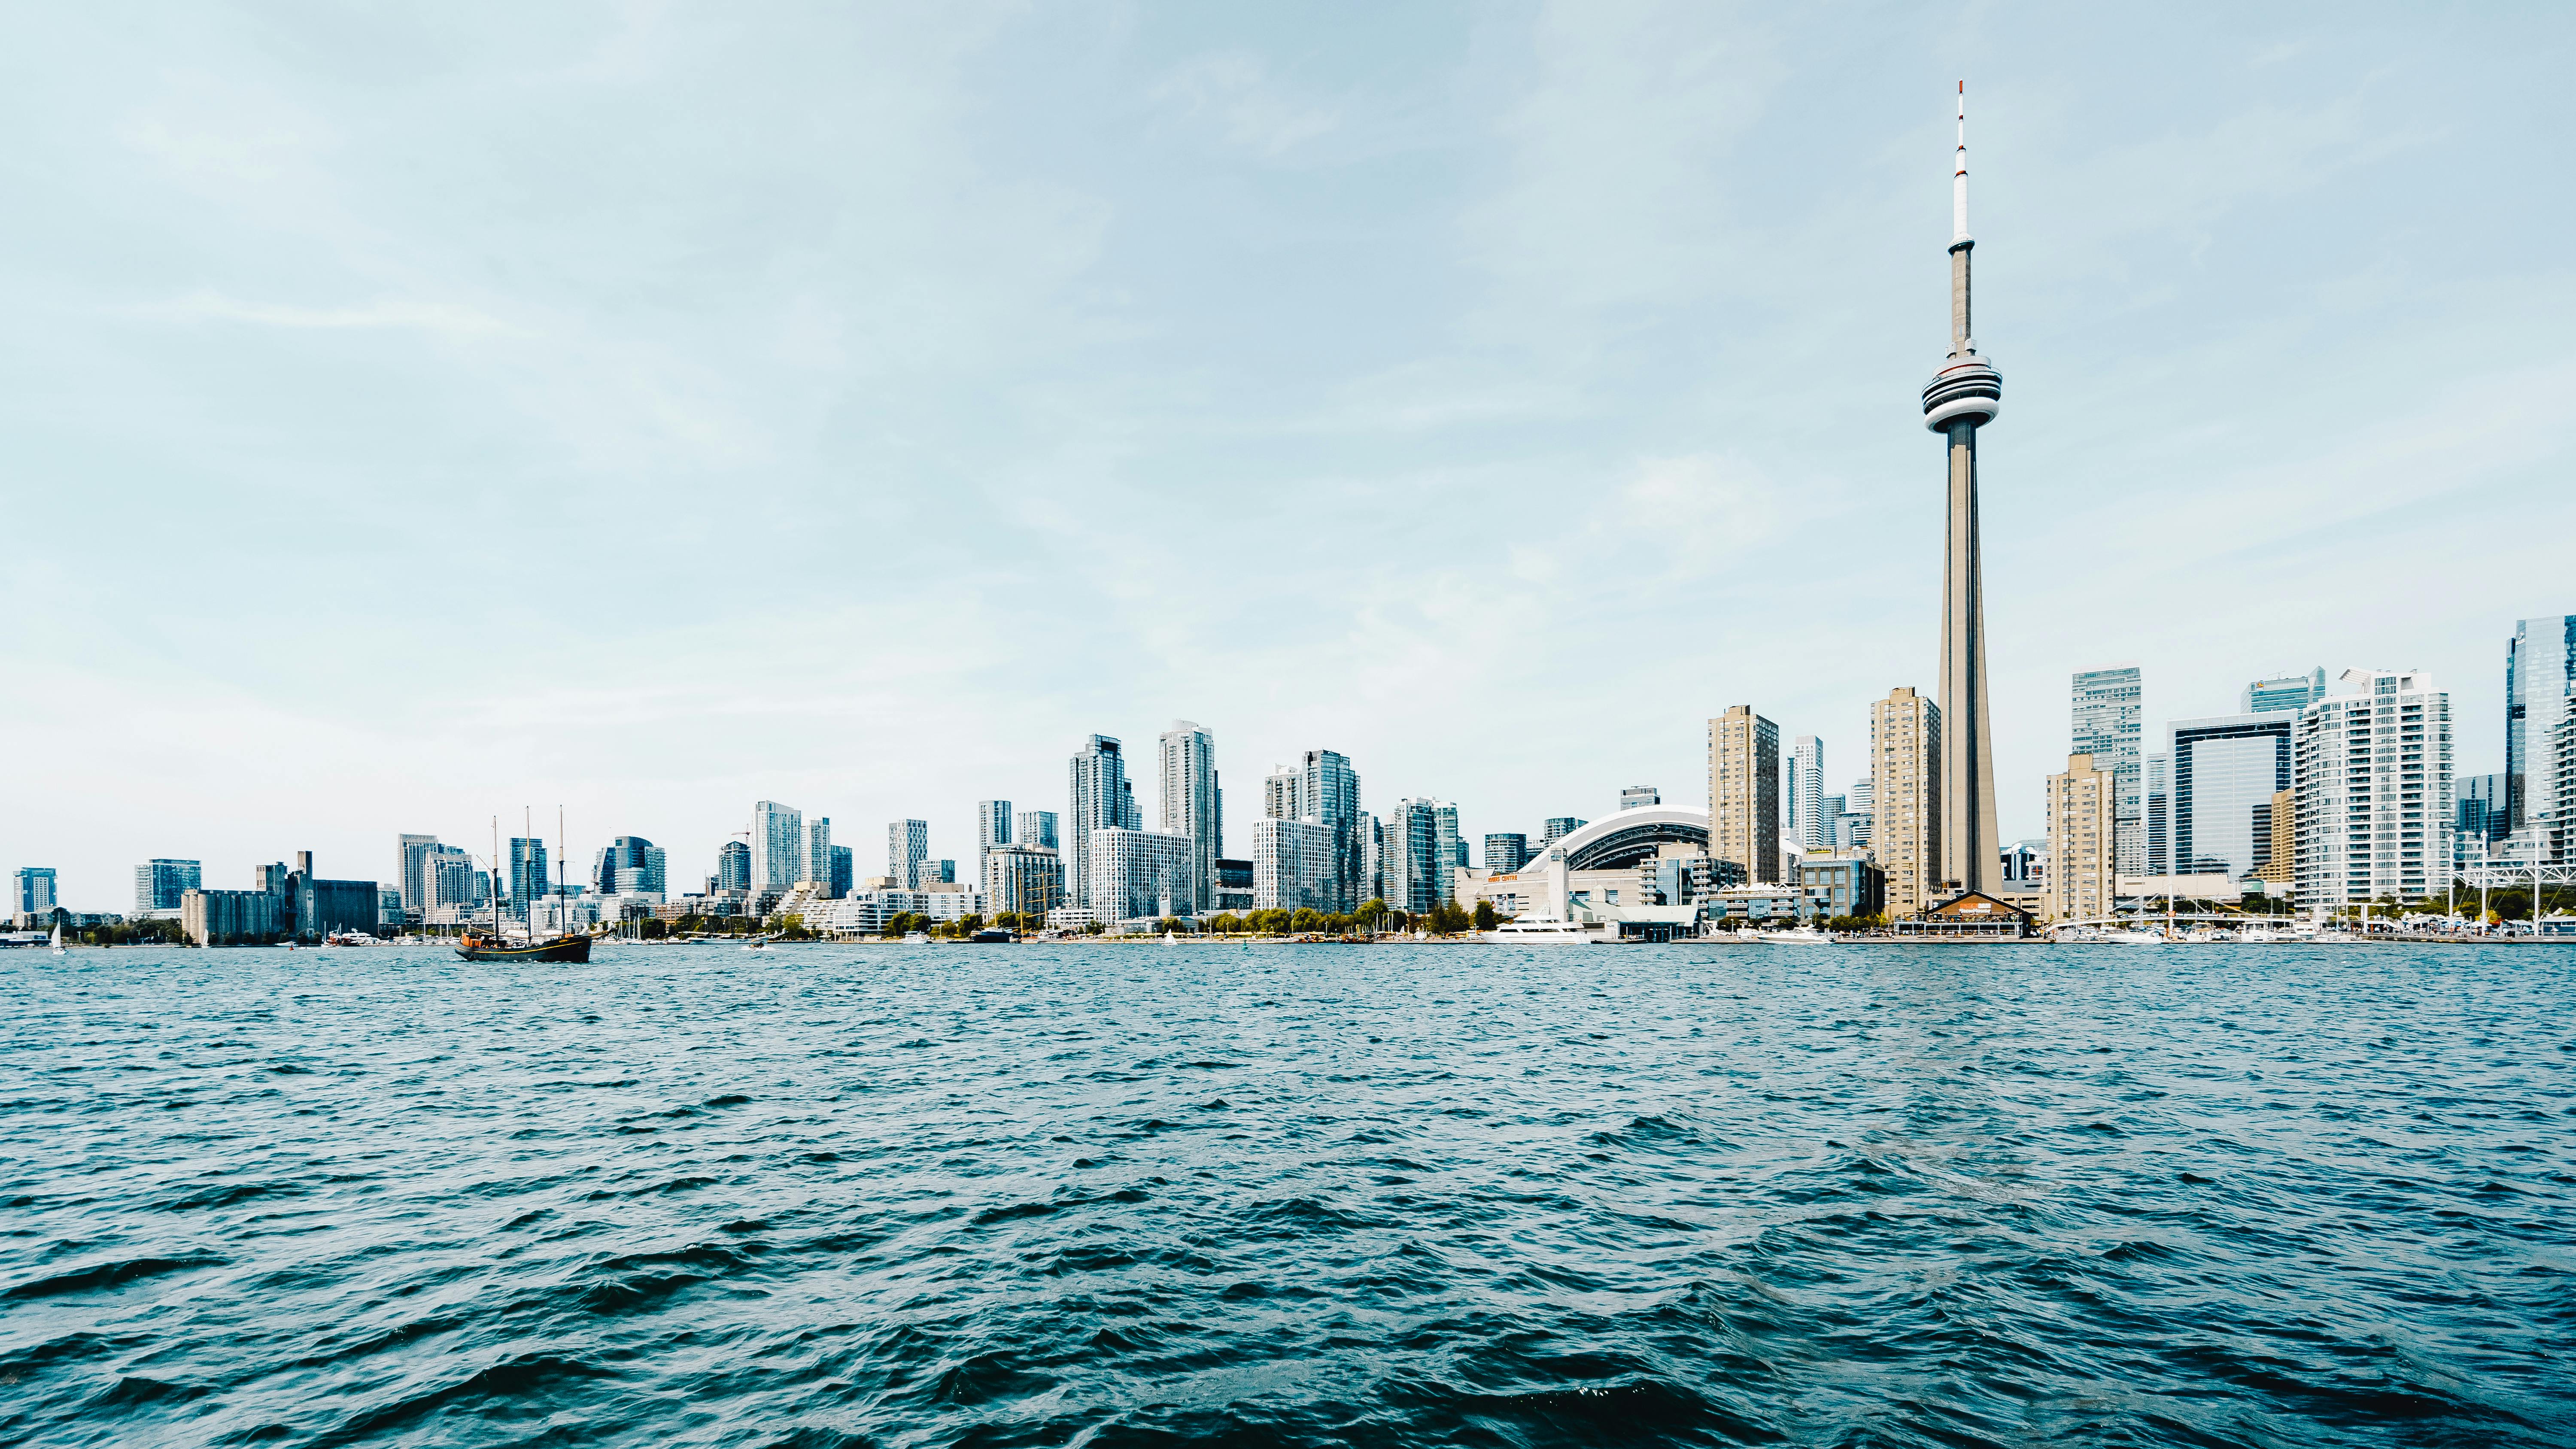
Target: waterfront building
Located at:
point(2539, 670)
point(2108, 721)
point(1851, 829)
point(158, 884)
point(35, 888)
point(1279, 795)
point(1371, 881)
point(1505, 852)
point(1234, 885)
point(844, 870)
point(777, 846)
point(629, 865)
point(733, 866)
point(1417, 854)
point(1905, 798)
point(1193, 805)
point(2224, 772)
point(2373, 765)
point(1293, 865)
point(1556, 828)
point(1100, 799)
point(229, 918)
point(1035, 827)
point(1963, 396)
point(1022, 878)
point(449, 881)
point(2083, 842)
point(2481, 815)
point(1138, 873)
point(2282, 868)
point(2291, 692)
point(992, 824)
point(818, 850)
point(907, 845)
point(1328, 791)
point(1808, 827)
point(2158, 790)
point(1637, 797)
point(411, 869)
point(527, 872)
point(1842, 885)
point(2025, 865)
point(1744, 793)
point(1610, 873)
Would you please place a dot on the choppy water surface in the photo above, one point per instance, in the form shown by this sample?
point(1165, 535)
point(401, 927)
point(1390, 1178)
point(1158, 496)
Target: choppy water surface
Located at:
point(1290, 1195)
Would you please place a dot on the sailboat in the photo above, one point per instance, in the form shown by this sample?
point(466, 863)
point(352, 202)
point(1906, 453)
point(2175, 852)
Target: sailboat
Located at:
point(58, 938)
point(564, 945)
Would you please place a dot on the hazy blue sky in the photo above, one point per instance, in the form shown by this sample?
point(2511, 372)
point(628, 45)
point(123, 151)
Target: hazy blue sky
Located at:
point(408, 416)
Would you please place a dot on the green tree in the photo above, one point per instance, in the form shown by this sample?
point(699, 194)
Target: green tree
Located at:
point(1371, 914)
point(1486, 918)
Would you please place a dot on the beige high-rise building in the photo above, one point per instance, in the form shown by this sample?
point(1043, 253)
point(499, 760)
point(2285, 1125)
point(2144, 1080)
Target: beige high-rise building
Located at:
point(1744, 792)
point(2283, 867)
point(1905, 798)
point(2083, 842)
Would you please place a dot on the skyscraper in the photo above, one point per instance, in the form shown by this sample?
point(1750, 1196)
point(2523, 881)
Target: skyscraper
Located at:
point(1905, 798)
point(158, 884)
point(1640, 797)
point(2107, 725)
point(1744, 793)
point(1506, 852)
point(2374, 790)
point(2225, 771)
point(1279, 797)
point(2159, 814)
point(1035, 827)
point(2293, 692)
point(818, 851)
point(1964, 395)
point(844, 871)
point(1192, 806)
point(1328, 791)
point(1808, 824)
point(411, 856)
point(527, 872)
point(1417, 845)
point(992, 825)
point(2539, 664)
point(1099, 800)
point(907, 846)
point(1140, 873)
point(777, 846)
point(629, 865)
point(1557, 827)
point(733, 866)
point(35, 888)
point(2080, 880)
point(1292, 865)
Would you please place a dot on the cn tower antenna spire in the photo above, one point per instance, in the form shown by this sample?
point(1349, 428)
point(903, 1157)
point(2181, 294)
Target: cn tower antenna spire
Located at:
point(1959, 179)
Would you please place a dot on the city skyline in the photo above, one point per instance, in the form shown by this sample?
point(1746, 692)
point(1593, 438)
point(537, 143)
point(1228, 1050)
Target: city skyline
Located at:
point(305, 330)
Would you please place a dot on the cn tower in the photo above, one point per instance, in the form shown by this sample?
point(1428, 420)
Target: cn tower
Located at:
point(1963, 396)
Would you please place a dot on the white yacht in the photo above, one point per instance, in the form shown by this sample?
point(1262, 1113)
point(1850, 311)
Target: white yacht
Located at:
point(1794, 935)
point(1538, 931)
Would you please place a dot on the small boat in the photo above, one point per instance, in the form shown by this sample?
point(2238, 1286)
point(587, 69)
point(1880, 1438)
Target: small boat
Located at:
point(1167, 937)
point(760, 945)
point(2134, 938)
point(574, 948)
point(916, 938)
point(1794, 935)
point(992, 936)
point(58, 938)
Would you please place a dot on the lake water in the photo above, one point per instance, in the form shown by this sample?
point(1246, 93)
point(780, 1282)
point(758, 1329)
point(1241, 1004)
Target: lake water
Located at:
point(1291, 1195)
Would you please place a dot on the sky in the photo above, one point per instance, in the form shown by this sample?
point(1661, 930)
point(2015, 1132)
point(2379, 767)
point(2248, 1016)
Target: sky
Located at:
point(416, 416)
